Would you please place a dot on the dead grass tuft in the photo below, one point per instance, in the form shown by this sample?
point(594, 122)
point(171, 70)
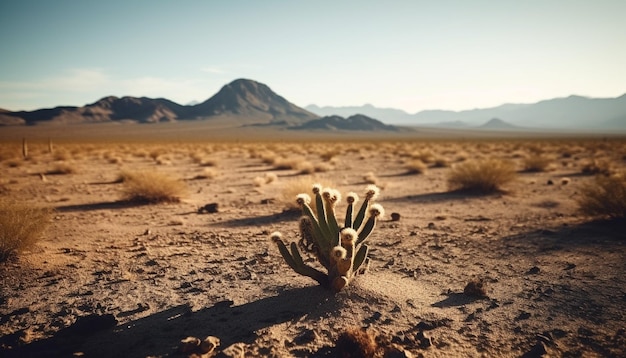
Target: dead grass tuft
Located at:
point(482, 176)
point(20, 227)
point(536, 163)
point(416, 166)
point(152, 187)
point(62, 168)
point(606, 196)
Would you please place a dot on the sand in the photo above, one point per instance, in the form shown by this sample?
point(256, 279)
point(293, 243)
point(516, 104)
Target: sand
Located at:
point(113, 278)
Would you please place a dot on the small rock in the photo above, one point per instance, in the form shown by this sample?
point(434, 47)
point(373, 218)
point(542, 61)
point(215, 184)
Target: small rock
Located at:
point(189, 344)
point(533, 270)
point(550, 182)
point(396, 351)
point(431, 225)
point(208, 208)
point(475, 288)
point(570, 266)
point(395, 217)
point(209, 344)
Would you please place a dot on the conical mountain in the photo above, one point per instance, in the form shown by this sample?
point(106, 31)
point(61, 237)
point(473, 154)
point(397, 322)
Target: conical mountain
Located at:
point(248, 98)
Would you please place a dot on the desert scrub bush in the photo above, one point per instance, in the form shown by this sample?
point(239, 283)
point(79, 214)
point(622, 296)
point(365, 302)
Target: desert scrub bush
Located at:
point(597, 166)
point(415, 166)
point(536, 163)
point(151, 187)
point(21, 226)
point(341, 250)
point(62, 168)
point(605, 196)
point(293, 187)
point(481, 176)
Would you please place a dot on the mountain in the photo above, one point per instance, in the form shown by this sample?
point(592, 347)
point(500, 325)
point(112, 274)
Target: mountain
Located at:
point(573, 112)
point(357, 122)
point(388, 115)
point(498, 124)
point(249, 101)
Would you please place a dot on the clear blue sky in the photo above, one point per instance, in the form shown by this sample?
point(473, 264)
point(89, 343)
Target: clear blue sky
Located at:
point(411, 55)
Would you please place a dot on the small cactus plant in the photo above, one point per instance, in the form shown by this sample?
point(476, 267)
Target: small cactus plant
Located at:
point(340, 249)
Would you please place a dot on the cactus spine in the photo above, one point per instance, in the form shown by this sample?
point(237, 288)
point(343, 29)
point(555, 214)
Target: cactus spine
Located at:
point(341, 251)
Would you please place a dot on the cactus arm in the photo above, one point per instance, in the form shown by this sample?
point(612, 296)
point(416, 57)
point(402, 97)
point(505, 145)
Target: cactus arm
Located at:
point(348, 221)
point(286, 255)
point(332, 223)
point(322, 242)
point(321, 215)
point(366, 230)
point(360, 215)
point(298, 265)
point(359, 258)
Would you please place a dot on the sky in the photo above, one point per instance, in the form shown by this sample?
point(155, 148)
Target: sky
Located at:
point(412, 55)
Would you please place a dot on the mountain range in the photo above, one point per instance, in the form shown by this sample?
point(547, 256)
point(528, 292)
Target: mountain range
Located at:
point(573, 112)
point(245, 102)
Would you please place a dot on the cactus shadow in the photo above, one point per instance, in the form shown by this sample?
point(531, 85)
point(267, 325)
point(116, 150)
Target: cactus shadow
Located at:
point(287, 215)
point(159, 334)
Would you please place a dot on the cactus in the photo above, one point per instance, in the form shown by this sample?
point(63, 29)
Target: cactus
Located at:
point(342, 251)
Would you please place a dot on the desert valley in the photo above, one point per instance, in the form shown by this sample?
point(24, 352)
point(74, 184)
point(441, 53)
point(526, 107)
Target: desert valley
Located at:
point(493, 243)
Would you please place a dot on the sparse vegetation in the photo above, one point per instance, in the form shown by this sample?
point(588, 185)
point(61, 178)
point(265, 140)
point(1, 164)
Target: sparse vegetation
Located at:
point(62, 168)
point(605, 196)
point(416, 166)
point(21, 226)
point(152, 187)
point(536, 163)
point(481, 176)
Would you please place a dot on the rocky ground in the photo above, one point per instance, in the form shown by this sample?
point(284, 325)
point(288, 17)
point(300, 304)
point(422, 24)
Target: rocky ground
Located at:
point(115, 278)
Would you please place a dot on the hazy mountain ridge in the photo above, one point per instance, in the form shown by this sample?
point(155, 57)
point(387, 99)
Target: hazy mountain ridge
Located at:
point(569, 112)
point(357, 122)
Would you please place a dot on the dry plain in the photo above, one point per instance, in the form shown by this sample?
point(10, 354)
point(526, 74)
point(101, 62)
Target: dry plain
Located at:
point(111, 277)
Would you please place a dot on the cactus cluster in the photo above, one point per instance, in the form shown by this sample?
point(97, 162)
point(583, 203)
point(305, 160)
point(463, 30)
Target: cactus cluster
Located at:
point(341, 250)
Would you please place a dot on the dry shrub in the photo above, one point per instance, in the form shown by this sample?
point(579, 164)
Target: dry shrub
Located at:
point(370, 178)
point(62, 168)
point(482, 176)
point(606, 196)
point(265, 179)
point(303, 184)
point(207, 173)
point(597, 166)
point(152, 187)
point(356, 343)
point(20, 226)
point(416, 166)
point(536, 163)
point(441, 163)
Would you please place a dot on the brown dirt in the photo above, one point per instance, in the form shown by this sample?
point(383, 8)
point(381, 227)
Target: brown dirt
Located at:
point(112, 278)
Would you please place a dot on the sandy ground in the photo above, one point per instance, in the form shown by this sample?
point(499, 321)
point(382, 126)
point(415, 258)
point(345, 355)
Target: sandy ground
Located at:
point(111, 278)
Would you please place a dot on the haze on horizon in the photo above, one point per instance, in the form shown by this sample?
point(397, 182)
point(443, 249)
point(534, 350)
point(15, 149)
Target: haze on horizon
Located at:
point(410, 55)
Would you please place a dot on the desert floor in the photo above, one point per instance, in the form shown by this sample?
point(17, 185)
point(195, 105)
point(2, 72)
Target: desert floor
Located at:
point(116, 278)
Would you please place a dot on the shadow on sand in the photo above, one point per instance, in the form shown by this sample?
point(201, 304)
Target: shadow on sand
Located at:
point(441, 196)
point(598, 233)
point(159, 334)
point(287, 215)
point(109, 205)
